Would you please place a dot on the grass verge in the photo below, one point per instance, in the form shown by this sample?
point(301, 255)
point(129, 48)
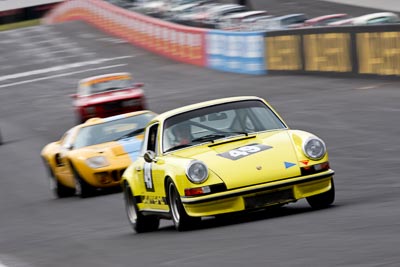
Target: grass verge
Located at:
point(20, 24)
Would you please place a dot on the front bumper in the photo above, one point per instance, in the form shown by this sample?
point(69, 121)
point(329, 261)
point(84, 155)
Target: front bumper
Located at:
point(259, 196)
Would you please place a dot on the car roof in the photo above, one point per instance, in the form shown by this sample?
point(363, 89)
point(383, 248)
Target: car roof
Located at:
point(246, 14)
point(187, 108)
point(316, 19)
point(367, 17)
point(94, 121)
point(88, 79)
point(289, 16)
point(341, 22)
point(218, 8)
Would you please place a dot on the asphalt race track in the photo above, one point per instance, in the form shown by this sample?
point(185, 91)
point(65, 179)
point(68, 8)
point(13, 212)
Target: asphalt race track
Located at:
point(357, 118)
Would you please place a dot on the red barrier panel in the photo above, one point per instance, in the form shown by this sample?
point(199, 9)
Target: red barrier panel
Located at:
point(181, 43)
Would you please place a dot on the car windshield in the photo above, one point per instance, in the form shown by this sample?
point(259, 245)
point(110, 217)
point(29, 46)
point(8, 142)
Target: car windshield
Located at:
point(219, 121)
point(110, 130)
point(100, 85)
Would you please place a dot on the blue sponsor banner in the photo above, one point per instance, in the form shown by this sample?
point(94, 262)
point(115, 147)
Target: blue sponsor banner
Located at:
point(240, 52)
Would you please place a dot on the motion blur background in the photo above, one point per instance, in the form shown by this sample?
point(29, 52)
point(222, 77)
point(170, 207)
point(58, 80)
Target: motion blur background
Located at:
point(356, 115)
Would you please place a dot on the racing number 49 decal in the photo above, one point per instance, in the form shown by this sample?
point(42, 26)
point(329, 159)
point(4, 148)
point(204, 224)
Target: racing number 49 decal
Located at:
point(148, 177)
point(244, 151)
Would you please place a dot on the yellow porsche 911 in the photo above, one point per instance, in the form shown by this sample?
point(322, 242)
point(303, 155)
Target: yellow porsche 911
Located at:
point(94, 154)
point(222, 156)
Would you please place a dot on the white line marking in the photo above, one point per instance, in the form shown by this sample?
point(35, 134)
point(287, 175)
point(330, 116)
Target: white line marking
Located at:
point(59, 68)
point(60, 75)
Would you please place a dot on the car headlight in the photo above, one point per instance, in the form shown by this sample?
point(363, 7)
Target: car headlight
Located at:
point(197, 171)
point(314, 148)
point(131, 103)
point(90, 110)
point(97, 162)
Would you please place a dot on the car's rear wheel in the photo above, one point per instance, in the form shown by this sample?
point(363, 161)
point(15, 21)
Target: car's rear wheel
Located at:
point(138, 221)
point(323, 200)
point(181, 219)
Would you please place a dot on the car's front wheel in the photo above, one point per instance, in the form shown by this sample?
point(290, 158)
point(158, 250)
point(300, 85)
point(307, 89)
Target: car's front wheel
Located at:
point(138, 221)
point(323, 200)
point(181, 219)
point(82, 188)
point(57, 188)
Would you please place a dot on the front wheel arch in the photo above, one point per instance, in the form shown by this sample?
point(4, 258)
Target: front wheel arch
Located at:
point(86, 190)
point(181, 219)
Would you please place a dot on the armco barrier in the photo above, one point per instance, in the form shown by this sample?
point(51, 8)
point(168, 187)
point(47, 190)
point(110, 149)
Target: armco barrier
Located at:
point(236, 51)
point(181, 43)
point(363, 50)
point(226, 51)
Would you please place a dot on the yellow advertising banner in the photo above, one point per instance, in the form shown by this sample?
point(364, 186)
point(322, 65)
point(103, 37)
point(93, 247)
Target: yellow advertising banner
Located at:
point(327, 52)
point(379, 53)
point(283, 53)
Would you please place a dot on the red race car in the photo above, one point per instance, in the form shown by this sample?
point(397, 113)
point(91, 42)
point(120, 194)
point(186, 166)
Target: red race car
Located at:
point(107, 95)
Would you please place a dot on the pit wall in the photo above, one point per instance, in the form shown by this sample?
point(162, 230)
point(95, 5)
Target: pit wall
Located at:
point(365, 50)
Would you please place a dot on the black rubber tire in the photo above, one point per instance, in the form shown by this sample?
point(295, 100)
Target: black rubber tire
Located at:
point(137, 220)
point(58, 189)
point(82, 188)
point(62, 191)
point(323, 200)
point(181, 219)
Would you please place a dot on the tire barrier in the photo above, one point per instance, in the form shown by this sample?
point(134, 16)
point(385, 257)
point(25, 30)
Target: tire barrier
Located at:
point(344, 51)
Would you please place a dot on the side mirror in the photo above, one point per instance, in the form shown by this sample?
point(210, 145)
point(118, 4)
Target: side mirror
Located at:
point(68, 146)
point(149, 156)
point(73, 96)
point(139, 85)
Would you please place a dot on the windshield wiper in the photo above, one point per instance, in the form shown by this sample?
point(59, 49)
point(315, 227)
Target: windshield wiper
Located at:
point(178, 147)
point(209, 137)
point(130, 134)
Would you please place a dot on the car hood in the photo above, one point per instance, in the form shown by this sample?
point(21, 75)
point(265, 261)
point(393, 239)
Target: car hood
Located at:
point(124, 147)
point(249, 160)
point(115, 95)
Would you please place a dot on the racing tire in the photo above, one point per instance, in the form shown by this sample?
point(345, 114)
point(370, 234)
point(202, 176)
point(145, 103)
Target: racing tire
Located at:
point(323, 200)
point(181, 219)
point(58, 189)
point(82, 188)
point(137, 220)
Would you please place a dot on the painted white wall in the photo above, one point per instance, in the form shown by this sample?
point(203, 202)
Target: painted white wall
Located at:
point(16, 4)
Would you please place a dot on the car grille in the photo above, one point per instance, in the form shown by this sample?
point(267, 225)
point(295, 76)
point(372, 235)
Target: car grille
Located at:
point(116, 175)
point(112, 105)
point(269, 198)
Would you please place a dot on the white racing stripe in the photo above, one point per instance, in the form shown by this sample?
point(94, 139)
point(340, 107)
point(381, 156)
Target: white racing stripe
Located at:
point(60, 68)
point(59, 75)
